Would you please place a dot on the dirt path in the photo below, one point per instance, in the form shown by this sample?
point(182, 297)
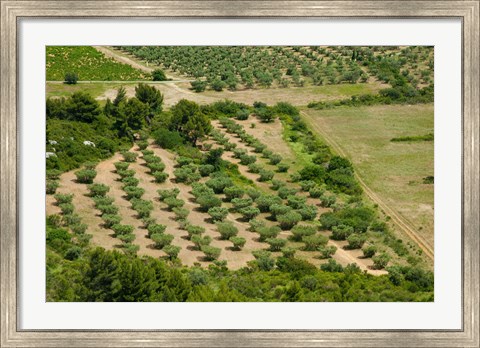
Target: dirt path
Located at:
point(402, 223)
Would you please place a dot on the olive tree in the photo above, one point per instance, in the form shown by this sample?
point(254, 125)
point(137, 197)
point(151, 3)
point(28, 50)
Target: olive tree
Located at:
point(85, 176)
point(288, 220)
point(238, 242)
point(218, 213)
point(226, 230)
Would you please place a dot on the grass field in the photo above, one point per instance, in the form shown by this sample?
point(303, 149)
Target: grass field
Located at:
point(88, 63)
point(394, 170)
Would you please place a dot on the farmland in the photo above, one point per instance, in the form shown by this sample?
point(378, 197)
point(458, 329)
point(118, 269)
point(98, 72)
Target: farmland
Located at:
point(209, 187)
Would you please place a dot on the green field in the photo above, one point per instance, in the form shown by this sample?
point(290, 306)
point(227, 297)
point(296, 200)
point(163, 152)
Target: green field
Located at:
point(394, 170)
point(88, 63)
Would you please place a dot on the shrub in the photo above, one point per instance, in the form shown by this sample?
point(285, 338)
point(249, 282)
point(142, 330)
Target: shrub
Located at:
point(167, 139)
point(108, 209)
point(156, 167)
point(194, 230)
point(249, 213)
point(264, 261)
point(186, 175)
point(242, 114)
point(277, 184)
point(308, 212)
point(130, 249)
point(219, 184)
point(90, 165)
point(211, 253)
point(282, 167)
point(279, 209)
point(150, 158)
point(79, 228)
point(200, 241)
point(63, 198)
point(264, 202)
point(207, 202)
point(288, 252)
point(206, 169)
point(288, 220)
point(265, 175)
point(275, 159)
point(147, 221)
point(255, 225)
point(183, 161)
point(380, 261)
point(127, 238)
point(130, 181)
point(253, 193)
point(181, 213)
point(341, 232)
point(218, 213)
point(313, 172)
point(301, 231)
point(53, 174)
point(226, 230)
point(147, 153)
point(129, 156)
point(356, 241)
point(198, 85)
point(246, 159)
point(85, 176)
point(259, 147)
point(296, 202)
point(369, 251)
point(73, 253)
point(168, 193)
point(161, 240)
point(143, 208)
point(51, 186)
point(102, 201)
point(71, 219)
point(110, 219)
point(126, 173)
point(284, 192)
point(121, 165)
point(327, 251)
point(254, 168)
point(98, 189)
point(331, 266)
point(307, 185)
point(133, 192)
point(172, 251)
point(156, 229)
point(313, 242)
point(122, 229)
point(233, 192)
point(239, 203)
point(316, 192)
point(238, 242)
point(160, 177)
point(327, 200)
point(71, 78)
point(67, 208)
point(276, 244)
point(54, 220)
point(268, 232)
point(379, 226)
point(173, 203)
point(201, 190)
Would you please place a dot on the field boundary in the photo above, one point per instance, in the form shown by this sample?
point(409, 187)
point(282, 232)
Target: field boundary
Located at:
point(399, 220)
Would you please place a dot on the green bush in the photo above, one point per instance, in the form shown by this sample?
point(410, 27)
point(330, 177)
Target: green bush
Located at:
point(159, 75)
point(255, 225)
point(53, 174)
point(327, 200)
point(164, 194)
point(313, 242)
point(265, 175)
point(181, 213)
point(301, 231)
point(381, 261)
point(63, 198)
point(240, 203)
point(194, 230)
point(296, 202)
point(341, 232)
point(126, 173)
point(276, 244)
point(211, 253)
point(219, 184)
point(167, 139)
point(186, 174)
point(98, 189)
point(226, 230)
point(122, 229)
point(232, 192)
point(155, 229)
point(71, 219)
point(206, 169)
point(369, 251)
point(173, 203)
point(108, 209)
point(133, 192)
point(207, 202)
point(129, 156)
point(268, 232)
point(66, 208)
point(102, 201)
point(327, 251)
point(307, 185)
point(282, 167)
point(127, 238)
point(85, 176)
point(51, 186)
point(79, 228)
point(121, 166)
point(160, 177)
point(156, 167)
point(238, 242)
point(288, 220)
point(172, 251)
point(73, 253)
point(246, 159)
point(200, 241)
point(316, 192)
point(264, 202)
point(249, 213)
point(274, 159)
point(288, 252)
point(218, 213)
point(109, 220)
point(356, 241)
point(284, 192)
point(278, 209)
point(161, 240)
point(71, 78)
point(308, 212)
